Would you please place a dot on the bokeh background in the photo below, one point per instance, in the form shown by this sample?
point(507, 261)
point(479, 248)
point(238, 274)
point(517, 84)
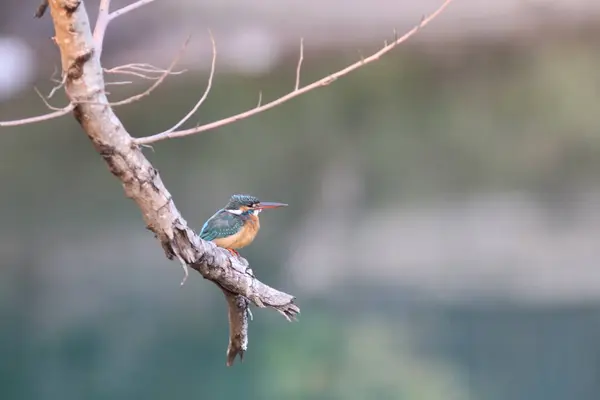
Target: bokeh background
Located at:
point(443, 234)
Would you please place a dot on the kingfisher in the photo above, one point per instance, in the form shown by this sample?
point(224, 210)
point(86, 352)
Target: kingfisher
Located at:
point(237, 224)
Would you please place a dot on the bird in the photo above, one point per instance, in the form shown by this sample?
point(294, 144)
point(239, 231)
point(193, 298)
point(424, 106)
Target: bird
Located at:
point(237, 224)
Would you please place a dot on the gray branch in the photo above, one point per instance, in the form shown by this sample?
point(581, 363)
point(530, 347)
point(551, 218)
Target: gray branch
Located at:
point(84, 86)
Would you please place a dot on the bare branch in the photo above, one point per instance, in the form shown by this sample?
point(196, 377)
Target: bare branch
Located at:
point(141, 67)
point(299, 67)
point(118, 83)
point(320, 83)
point(82, 77)
point(143, 71)
point(39, 118)
point(126, 9)
point(143, 184)
point(206, 91)
point(45, 101)
point(164, 75)
point(59, 85)
point(105, 17)
point(133, 73)
point(144, 68)
point(238, 313)
point(54, 73)
point(101, 25)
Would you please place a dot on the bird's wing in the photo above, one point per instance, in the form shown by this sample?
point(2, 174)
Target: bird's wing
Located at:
point(221, 225)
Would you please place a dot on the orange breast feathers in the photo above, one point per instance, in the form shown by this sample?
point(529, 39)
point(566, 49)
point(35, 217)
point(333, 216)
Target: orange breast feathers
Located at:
point(243, 238)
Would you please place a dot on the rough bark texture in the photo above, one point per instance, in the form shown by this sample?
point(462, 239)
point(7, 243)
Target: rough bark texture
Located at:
point(238, 327)
point(84, 86)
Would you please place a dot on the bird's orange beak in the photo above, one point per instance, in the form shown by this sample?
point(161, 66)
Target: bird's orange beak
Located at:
point(267, 204)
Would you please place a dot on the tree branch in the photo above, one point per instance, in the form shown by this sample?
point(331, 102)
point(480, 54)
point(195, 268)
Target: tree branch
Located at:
point(39, 118)
point(105, 17)
point(159, 80)
point(299, 66)
point(238, 326)
point(140, 70)
point(297, 90)
point(142, 183)
point(101, 24)
point(206, 91)
point(85, 87)
point(126, 9)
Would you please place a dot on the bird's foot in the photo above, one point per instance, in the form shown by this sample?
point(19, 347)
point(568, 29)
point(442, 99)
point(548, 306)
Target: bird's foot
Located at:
point(234, 252)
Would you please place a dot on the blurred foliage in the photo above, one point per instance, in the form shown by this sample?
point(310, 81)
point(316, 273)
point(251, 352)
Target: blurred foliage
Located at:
point(359, 360)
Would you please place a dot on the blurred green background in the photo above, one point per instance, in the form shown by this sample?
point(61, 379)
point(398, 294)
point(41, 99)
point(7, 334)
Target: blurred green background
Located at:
point(442, 235)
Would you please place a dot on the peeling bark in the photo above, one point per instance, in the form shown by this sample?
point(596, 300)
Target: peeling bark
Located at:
point(84, 85)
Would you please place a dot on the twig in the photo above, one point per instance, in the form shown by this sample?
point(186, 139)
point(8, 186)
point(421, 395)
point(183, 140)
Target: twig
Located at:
point(105, 17)
point(142, 67)
point(126, 9)
point(320, 83)
point(39, 118)
point(45, 101)
point(54, 73)
point(59, 85)
point(186, 271)
point(101, 24)
point(167, 72)
point(133, 73)
point(299, 67)
point(206, 91)
point(118, 83)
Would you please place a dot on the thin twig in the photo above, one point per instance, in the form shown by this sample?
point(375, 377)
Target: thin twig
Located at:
point(186, 272)
point(142, 67)
point(39, 118)
point(105, 17)
point(59, 85)
point(133, 73)
point(54, 73)
point(133, 69)
point(118, 83)
point(259, 99)
point(45, 101)
point(299, 67)
point(206, 91)
point(320, 83)
point(167, 72)
point(126, 9)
